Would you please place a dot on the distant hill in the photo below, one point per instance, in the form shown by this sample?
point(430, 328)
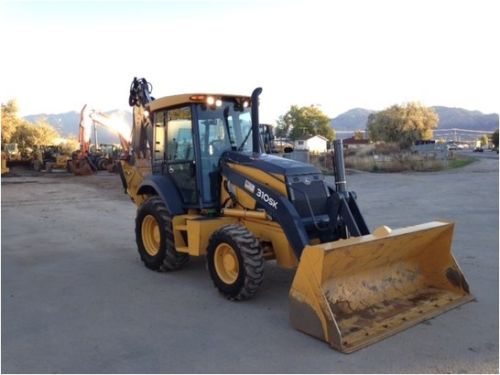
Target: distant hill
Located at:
point(449, 118)
point(67, 123)
point(351, 120)
point(460, 118)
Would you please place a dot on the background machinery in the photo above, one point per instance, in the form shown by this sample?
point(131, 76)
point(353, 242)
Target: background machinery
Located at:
point(17, 155)
point(93, 157)
point(105, 156)
point(51, 158)
point(203, 187)
point(5, 169)
point(82, 163)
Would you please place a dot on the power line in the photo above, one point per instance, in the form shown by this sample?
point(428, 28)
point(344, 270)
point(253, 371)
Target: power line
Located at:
point(462, 130)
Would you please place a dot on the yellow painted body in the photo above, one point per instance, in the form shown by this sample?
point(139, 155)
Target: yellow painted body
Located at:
point(197, 230)
point(5, 169)
point(277, 182)
point(61, 161)
point(271, 231)
point(274, 181)
point(351, 293)
point(134, 175)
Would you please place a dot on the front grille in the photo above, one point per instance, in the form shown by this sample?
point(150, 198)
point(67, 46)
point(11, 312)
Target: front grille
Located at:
point(308, 187)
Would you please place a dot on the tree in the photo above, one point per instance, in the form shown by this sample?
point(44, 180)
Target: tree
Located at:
point(484, 140)
point(304, 121)
point(28, 134)
point(359, 135)
point(70, 144)
point(10, 120)
point(494, 138)
point(402, 124)
point(45, 134)
point(24, 135)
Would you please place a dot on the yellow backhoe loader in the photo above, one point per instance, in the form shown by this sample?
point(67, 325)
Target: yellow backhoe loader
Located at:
point(203, 187)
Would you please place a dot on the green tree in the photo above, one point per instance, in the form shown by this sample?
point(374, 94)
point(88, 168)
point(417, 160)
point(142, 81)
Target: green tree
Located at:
point(494, 138)
point(403, 124)
point(304, 121)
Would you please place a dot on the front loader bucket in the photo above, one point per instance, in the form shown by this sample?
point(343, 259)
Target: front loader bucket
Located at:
point(354, 292)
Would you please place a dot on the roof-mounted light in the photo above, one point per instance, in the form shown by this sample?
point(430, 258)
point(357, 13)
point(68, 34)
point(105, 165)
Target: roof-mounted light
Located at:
point(197, 98)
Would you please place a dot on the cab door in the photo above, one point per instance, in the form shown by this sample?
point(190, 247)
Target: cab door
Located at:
point(180, 155)
point(174, 151)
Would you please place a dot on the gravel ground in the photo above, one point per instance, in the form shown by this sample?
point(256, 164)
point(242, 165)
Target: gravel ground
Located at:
point(76, 298)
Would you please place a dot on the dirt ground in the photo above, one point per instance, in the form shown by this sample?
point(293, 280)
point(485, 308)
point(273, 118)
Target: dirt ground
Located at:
point(77, 299)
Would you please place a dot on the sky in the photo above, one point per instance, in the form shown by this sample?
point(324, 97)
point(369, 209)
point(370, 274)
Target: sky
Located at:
point(59, 55)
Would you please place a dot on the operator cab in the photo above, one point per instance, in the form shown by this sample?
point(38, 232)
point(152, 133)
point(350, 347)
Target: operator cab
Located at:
point(190, 134)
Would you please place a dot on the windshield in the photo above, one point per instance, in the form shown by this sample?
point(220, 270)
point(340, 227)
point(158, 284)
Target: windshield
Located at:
point(224, 127)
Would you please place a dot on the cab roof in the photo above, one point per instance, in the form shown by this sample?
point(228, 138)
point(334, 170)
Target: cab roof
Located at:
point(174, 100)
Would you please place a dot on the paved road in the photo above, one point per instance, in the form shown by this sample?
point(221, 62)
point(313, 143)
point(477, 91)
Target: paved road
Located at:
point(75, 297)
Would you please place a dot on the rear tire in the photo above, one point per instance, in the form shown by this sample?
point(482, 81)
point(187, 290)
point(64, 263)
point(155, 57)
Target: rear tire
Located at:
point(102, 164)
point(154, 237)
point(235, 262)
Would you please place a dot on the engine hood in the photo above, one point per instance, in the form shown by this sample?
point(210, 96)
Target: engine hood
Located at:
point(270, 163)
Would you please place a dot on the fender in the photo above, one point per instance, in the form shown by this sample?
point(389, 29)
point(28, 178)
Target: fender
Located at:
point(166, 190)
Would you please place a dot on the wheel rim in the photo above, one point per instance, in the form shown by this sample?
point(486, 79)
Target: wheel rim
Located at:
point(226, 263)
point(150, 231)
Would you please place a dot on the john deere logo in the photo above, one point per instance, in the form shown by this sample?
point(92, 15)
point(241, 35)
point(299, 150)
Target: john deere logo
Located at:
point(249, 186)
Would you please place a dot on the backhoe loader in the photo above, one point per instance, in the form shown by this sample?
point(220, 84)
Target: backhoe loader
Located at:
point(204, 187)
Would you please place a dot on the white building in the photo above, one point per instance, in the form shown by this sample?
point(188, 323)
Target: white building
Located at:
point(315, 144)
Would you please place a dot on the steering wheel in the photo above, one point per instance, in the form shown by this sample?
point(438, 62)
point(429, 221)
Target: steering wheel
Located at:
point(218, 146)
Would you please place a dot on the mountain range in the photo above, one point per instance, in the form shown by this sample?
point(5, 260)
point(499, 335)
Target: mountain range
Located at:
point(67, 123)
point(449, 118)
point(354, 119)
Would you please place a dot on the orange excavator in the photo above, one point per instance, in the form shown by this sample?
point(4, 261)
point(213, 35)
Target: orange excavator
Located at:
point(84, 161)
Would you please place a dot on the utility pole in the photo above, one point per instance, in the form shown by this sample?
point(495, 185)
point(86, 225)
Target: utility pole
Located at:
point(96, 146)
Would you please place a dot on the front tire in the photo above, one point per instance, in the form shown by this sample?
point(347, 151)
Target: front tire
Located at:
point(154, 237)
point(235, 262)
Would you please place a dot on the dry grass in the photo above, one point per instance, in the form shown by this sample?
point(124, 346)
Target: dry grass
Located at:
point(397, 162)
point(389, 158)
